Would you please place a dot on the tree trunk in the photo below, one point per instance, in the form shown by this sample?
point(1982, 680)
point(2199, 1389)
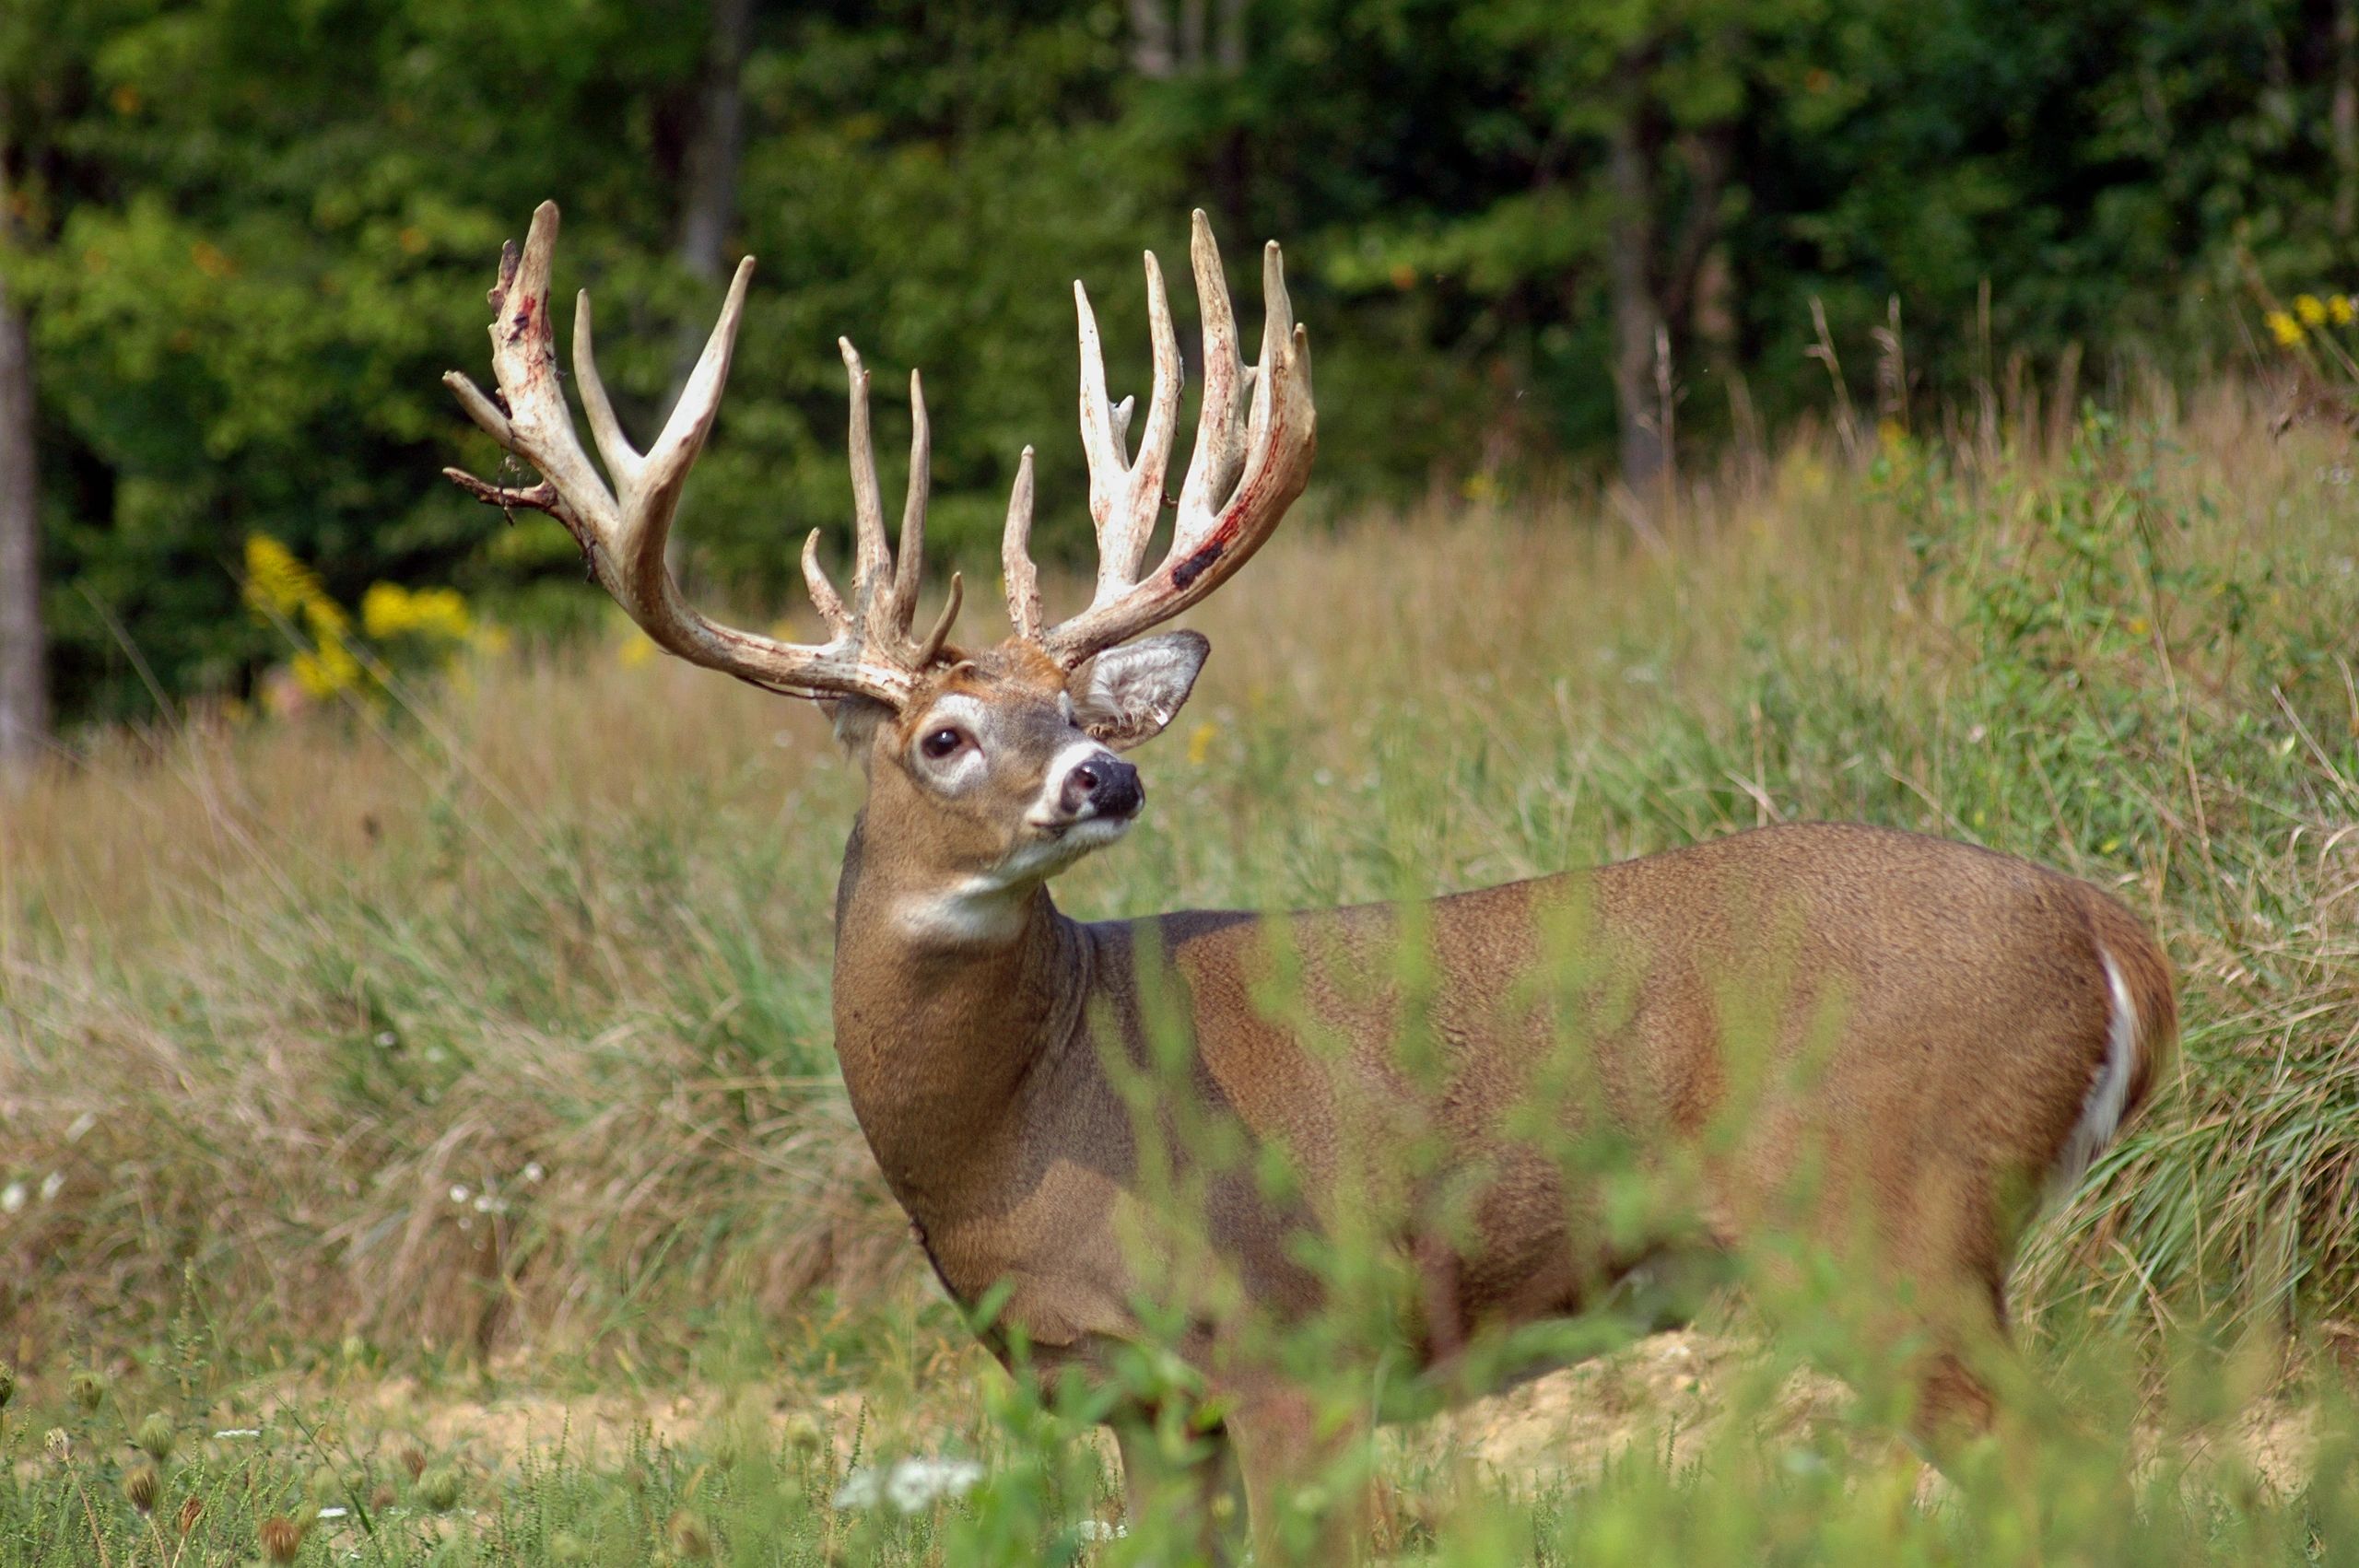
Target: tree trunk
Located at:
point(709, 169)
point(1637, 315)
point(24, 674)
point(2343, 117)
point(1229, 47)
point(1152, 47)
point(24, 682)
point(1191, 34)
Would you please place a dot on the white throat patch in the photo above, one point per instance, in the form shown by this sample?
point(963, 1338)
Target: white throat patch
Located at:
point(980, 909)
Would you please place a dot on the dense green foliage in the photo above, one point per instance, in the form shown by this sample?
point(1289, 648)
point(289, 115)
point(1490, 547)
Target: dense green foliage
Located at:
point(251, 236)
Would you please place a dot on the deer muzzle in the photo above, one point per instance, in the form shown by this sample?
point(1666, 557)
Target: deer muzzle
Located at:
point(1102, 785)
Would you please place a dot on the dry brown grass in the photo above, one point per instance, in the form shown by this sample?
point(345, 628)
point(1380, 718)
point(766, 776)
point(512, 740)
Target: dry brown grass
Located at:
point(587, 901)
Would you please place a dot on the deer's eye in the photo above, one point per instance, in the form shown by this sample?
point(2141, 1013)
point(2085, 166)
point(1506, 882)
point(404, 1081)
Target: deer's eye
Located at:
point(942, 742)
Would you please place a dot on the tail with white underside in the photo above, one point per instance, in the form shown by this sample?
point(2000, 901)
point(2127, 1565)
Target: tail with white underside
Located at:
point(2142, 1024)
point(2109, 1099)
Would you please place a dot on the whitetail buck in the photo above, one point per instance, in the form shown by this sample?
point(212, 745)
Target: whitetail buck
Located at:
point(1937, 1030)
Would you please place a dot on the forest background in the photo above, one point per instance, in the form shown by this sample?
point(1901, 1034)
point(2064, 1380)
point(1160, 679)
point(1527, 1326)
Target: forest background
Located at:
point(1543, 246)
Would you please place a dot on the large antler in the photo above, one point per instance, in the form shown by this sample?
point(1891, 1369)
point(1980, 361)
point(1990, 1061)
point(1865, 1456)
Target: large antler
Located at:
point(1246, 470)
point(622, 531)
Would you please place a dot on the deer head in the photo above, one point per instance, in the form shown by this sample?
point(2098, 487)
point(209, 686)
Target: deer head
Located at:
point(989, 770)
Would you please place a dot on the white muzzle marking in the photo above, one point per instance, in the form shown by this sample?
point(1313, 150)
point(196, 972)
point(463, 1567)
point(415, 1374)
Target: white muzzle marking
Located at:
point(1049, 810)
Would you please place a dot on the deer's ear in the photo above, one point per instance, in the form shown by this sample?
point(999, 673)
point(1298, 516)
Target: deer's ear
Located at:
point(855, 719)
point(1126, 695)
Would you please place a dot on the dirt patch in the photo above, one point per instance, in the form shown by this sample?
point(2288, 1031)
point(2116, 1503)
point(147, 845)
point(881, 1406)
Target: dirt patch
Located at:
point(1668, 1391)
point(1672, 1393)
point(507, 1425)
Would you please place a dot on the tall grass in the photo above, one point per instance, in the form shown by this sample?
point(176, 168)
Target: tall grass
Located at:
point(498, 1022)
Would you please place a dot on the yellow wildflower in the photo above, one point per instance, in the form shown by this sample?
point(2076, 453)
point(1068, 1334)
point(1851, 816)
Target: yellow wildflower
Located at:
point(282, 589)
point(2284, 328)
point(2310, 309)
point(330, 670)
point(388, 611)
point(2339, 311)
point(443, 611)
point(327, 618)
point(1200, 744)
point(277, 583)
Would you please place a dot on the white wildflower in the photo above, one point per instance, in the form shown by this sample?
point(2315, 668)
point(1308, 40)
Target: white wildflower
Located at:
point(911, 1485)
point(533, 1171)
point(917, 1483)
point(51, 1185)
point(12, 1197)
point(239, 1431)
point(331, 1513)
point(459, 1193)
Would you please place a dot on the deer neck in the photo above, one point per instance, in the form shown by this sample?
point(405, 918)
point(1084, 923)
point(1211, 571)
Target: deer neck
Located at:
point(940, 1023)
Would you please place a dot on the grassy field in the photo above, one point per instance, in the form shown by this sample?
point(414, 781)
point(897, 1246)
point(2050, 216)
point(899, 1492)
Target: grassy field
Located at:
point(416, 1087)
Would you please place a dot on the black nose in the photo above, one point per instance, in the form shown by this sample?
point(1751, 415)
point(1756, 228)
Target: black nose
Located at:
point(1106, 783)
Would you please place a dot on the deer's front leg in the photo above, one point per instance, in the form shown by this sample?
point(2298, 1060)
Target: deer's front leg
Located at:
point(1306, 1481)
point(1201, 1490)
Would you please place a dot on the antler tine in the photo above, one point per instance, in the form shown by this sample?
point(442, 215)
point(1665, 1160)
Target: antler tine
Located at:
point(872, 571)
point(663, 473)
point(1280, 339)
point(1219, 456)
point(939, 637)
point(1125, 498)
point(824, 597)
point(523, 355)
point(623, 530)
point(1247, 470)
point(1023, 579)
point(1100, 442)
point(614, 448)
point(1162, 413)
point(908, 560)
